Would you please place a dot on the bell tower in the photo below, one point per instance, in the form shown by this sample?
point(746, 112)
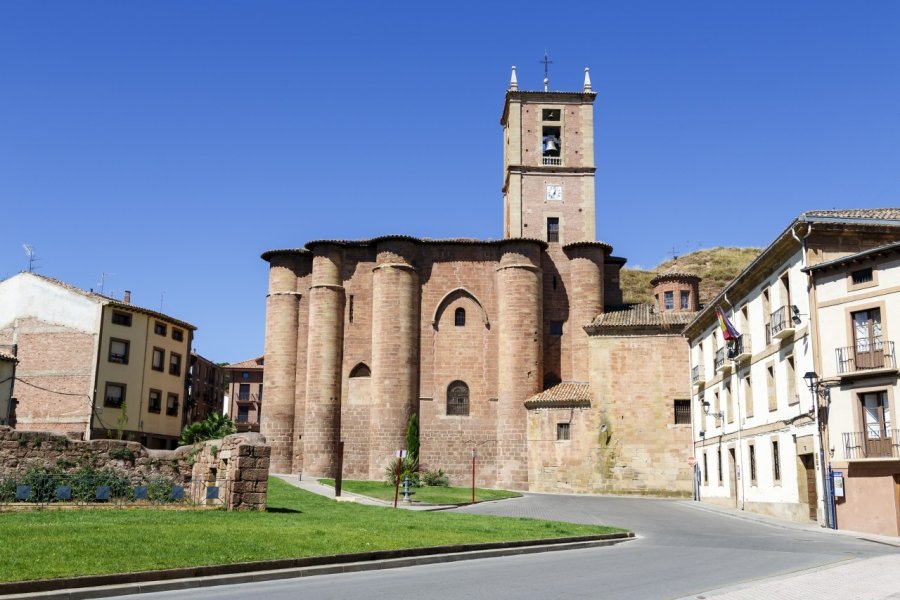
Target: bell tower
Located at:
point(548, 163)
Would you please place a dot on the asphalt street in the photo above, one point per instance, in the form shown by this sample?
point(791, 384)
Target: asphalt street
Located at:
point(682, 550)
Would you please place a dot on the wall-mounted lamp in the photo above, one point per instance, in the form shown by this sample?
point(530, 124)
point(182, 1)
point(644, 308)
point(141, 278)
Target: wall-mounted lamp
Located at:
point(718, 415)
point(795, 314)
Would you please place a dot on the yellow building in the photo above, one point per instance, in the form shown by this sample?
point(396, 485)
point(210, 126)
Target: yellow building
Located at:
point(94, 365)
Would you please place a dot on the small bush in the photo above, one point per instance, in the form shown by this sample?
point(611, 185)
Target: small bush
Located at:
point(435, 478)
point(122, 453)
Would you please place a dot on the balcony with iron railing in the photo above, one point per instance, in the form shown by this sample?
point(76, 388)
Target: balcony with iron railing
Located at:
point(695, 375)
point(248, 397)
point(866, 355)
point(865, 444)
point(781, 324)
point(740, 349)
point(721, 362)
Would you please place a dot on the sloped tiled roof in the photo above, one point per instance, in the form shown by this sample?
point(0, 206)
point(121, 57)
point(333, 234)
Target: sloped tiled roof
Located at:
point(854, 258)
point(113, 302)
point(4, 356)
point(250, 363)
point(562, 395)
point(890, 214)
point(640, 315)
point(674, 275)
point(859, 217)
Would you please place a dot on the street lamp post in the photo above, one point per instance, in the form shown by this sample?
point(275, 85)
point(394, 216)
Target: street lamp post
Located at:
point(817, 389)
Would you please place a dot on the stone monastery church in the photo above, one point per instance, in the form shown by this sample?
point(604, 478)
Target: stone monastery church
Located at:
point(518, 349)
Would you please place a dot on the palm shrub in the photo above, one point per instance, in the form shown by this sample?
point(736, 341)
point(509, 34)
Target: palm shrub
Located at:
point(407, 469)
point(214, 427)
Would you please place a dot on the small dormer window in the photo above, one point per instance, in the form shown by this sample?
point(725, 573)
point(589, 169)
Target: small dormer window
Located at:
point(862, 276)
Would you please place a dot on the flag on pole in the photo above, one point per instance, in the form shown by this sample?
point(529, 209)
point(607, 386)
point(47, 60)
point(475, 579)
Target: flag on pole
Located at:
point(729, 332)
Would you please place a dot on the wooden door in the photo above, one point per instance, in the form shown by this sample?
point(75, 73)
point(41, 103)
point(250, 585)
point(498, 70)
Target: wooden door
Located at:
point(733, 469)
point(876, 424)
point(812, 498)
point(867, 342)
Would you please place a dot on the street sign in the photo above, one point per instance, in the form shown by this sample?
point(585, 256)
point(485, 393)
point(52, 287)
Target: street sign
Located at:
point(400, 454)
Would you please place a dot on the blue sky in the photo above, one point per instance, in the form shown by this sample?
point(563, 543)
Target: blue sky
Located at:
point(169, 143)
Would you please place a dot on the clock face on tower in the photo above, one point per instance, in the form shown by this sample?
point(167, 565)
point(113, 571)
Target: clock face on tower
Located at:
point(554, 192)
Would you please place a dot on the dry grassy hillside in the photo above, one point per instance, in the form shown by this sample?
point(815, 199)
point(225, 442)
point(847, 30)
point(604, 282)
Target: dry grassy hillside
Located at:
point(716, 267)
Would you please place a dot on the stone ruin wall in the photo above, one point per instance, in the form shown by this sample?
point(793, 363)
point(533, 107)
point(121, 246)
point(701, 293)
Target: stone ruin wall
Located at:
point(238, 464)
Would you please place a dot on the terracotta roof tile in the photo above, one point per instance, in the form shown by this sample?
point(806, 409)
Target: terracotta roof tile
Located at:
point(891, 248)
point(640, 315)
point(856, 213)
point(250, 363)
point(674, 275)
point(565, 394)
point(4, 356)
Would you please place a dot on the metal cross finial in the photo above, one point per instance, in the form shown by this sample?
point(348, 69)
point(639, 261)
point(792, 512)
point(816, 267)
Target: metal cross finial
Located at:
point(546, 62)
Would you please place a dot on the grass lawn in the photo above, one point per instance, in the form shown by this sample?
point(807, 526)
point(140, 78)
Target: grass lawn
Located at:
point(63, 543)
point(424, 494)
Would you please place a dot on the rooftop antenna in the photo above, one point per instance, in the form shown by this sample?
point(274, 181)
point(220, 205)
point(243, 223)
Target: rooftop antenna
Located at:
point(546, 62)
point(162, 295)
point(29, 252)
point(102, 281)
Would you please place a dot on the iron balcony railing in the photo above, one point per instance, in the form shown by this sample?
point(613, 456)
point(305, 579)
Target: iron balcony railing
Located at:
point(739, 346)
point(243, 419)
point(866, 354)
point(866, 444)
point(720, 358)
point(248, 397)
point(695, 374)
point(781, 320)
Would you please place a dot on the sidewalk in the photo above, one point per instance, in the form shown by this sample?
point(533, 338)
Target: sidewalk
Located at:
point(871, 579)
point(888, 540)
point(310, 484)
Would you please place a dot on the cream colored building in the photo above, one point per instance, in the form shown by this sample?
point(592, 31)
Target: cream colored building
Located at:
point(92, 364)
point(756, 424)
point(857, 313)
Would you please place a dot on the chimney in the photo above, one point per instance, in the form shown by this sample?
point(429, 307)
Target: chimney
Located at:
point(127, 298)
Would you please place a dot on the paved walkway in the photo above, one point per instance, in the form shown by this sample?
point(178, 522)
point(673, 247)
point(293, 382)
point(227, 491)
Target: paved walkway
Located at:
point(871, 579)
point(310, 484)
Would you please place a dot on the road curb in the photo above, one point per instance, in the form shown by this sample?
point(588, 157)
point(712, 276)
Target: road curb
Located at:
point(100, 586)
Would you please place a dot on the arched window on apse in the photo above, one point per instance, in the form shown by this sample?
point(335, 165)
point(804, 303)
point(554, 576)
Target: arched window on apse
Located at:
point(361, 370)
point(551, 379)
point(460, 317)
point(458, 399)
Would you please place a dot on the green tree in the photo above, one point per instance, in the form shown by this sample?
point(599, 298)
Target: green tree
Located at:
point(214, 427)
point(412, 441)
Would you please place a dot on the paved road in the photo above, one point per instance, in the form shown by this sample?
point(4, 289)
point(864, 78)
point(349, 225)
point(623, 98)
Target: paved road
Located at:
point(682, 550)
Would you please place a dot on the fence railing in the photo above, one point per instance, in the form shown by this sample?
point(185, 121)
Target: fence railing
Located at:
point(695, 374)
point(865, 444)
point(88, 487)
point(720, 358)
point(873, 354)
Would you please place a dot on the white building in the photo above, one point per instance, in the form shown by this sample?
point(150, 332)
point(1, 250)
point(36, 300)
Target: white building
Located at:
point(756, 434)
point(857, 300)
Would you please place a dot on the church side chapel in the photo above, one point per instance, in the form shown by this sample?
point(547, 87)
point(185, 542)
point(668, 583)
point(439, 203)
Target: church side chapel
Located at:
point(519, 349)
